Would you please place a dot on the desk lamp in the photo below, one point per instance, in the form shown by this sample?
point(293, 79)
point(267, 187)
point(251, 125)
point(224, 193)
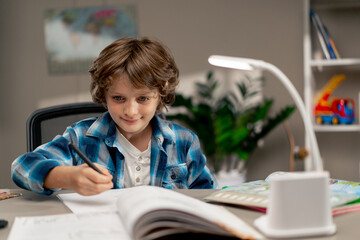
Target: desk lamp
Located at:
point(299, 203)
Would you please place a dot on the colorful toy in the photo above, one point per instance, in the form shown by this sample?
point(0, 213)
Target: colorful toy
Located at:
point(336, 111)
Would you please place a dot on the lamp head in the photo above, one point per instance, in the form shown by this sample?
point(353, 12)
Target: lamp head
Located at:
point(231, 62)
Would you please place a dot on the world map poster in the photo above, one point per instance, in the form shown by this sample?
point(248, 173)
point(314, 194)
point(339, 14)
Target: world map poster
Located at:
point(74, 37)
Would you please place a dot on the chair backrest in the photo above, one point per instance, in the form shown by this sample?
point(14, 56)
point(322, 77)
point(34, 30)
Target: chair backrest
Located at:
point(44, 124)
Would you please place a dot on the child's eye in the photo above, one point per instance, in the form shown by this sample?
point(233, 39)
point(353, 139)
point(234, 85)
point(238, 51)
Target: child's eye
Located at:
point(118, 98)
point(143, 99)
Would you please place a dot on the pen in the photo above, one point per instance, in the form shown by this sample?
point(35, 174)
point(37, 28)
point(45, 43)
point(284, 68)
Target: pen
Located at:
point(85, 158)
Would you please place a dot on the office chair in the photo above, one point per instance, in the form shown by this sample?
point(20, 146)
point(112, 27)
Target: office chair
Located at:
point(45, 123)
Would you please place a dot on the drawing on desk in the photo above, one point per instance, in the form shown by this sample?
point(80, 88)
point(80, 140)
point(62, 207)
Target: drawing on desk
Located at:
point(344, 195)
point(150, 212)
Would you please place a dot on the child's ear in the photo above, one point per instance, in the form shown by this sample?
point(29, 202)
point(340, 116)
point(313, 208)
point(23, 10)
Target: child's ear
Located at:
point(159, 108)
point(160, 105)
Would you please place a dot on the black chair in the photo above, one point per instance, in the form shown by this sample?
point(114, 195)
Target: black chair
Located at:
point(44, 124)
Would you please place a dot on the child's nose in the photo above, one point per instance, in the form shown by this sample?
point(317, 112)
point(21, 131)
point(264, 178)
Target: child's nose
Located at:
point(131, 108)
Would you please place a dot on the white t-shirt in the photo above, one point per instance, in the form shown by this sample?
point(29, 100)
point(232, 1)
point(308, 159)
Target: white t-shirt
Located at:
point(137, 163)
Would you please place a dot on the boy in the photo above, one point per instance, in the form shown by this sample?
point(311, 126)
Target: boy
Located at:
point(130, 144)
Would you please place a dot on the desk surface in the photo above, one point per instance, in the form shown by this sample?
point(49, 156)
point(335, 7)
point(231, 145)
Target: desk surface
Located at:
point(32, 204)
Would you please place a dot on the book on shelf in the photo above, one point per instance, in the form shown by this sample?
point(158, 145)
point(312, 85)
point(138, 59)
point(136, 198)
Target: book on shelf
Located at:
point(344, 195)
point(326, 41)
point(332, 43)
point(144, 212)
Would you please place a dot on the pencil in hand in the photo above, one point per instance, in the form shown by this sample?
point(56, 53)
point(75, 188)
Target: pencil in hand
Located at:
point(84, 158)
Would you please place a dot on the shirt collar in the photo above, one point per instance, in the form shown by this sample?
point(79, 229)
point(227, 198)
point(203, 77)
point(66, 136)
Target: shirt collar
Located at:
point(103, 127)
point(162, 130)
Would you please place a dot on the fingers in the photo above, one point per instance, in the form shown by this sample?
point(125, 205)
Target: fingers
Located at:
point(90, 188)
point(103, 169)
point(97, 177)
point(90, 182)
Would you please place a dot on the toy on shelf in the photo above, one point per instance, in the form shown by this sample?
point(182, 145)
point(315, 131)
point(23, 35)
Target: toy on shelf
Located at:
point(336, 111)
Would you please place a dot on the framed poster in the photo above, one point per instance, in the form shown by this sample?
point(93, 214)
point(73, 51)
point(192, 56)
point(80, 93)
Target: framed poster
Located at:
point(74, 37)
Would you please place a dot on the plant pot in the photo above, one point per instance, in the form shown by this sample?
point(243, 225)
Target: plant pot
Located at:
point(230, 178)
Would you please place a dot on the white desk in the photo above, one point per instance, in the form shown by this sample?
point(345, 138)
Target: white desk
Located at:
point(32, 204)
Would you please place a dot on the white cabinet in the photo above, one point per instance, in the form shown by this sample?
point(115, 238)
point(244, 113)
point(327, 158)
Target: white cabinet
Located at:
point(342, 19)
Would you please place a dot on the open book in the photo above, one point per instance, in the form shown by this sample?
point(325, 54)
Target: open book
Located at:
point(344, 195)
point(144, 212)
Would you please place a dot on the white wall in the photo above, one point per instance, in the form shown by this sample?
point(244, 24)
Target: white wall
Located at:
point(193, 30)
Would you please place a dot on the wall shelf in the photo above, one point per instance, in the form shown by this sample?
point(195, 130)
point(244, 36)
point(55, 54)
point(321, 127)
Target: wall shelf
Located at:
point(337, 128)
point(335, 4)
point(345, 64)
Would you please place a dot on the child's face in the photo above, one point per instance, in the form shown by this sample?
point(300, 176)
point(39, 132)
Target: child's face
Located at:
point(131, 108)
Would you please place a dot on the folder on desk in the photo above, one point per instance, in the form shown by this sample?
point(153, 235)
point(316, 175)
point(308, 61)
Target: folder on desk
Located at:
point(345, 195)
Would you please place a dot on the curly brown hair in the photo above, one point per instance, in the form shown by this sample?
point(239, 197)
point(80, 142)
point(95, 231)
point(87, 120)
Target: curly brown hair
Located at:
point(146, 62)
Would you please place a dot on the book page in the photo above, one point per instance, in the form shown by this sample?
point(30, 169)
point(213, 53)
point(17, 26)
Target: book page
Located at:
point(102, 202)
point(87, 226)
point(138, 201)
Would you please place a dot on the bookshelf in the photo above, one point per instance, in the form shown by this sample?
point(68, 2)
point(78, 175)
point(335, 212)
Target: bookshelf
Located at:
point(342, 19)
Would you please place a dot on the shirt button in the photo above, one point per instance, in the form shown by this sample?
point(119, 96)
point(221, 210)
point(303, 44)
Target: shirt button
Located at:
point(137, 179)
point(140, 158)
point(138, 168)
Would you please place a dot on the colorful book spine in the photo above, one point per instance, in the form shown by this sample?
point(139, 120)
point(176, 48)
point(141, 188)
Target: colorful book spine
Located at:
point(332, 43)
point(326, 42)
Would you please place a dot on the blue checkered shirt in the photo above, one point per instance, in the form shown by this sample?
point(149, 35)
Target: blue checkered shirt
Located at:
point(176, 158)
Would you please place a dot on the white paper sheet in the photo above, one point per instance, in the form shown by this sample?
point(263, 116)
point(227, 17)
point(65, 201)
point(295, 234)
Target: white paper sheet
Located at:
point(89, 226)
point(105, 201)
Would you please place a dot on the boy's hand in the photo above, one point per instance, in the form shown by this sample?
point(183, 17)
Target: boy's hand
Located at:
point(86, 181)
point(82, 179)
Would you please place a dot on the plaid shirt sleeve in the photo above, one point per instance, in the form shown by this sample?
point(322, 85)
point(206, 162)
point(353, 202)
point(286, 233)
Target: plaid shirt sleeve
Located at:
point(29, 170)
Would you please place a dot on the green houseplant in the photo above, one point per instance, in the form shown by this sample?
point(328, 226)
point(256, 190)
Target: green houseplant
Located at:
point(224, 125)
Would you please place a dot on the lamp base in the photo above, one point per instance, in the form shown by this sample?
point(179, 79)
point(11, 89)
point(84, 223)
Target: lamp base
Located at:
point(262, 224)
point(299, 206)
